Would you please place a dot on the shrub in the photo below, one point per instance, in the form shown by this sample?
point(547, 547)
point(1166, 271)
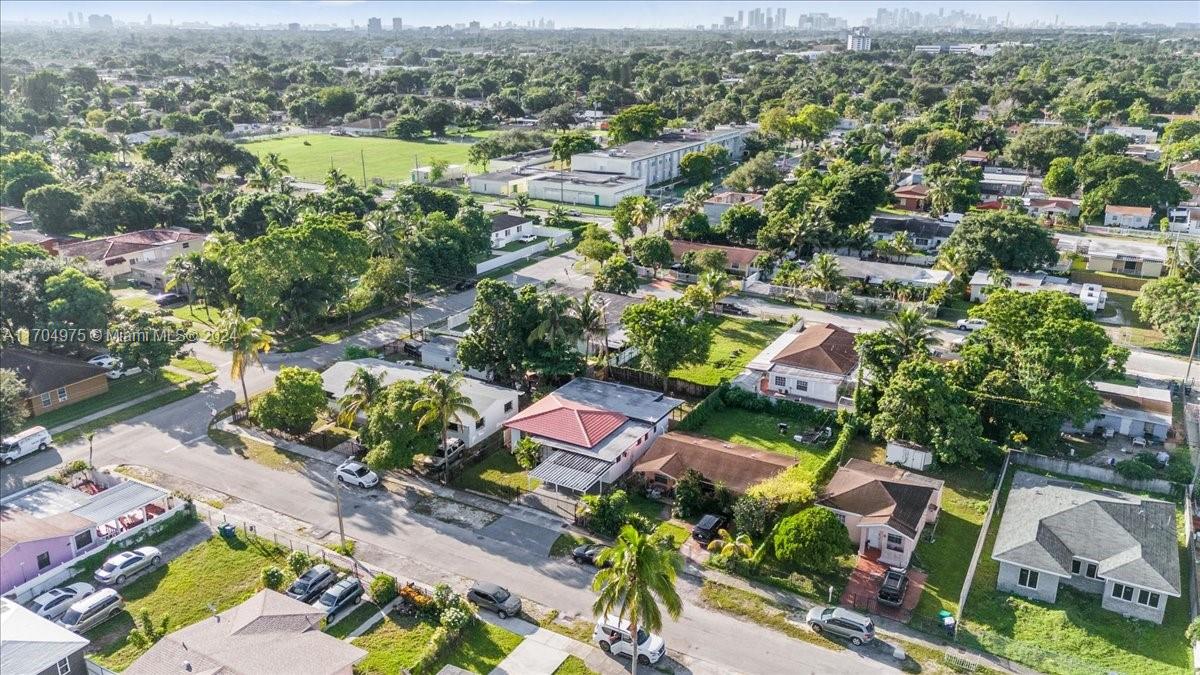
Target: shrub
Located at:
point(455, 618)
point(353, 352)
point(298, 562)
point(74, 467)
point(346, 549)
point(272, 577)
point(789, 488)
point(383, 589)
point(752, 515)
point(812, 539)
point(1132, 469)
point(294, 403)
point(444, 596)
point(604, 514)
point(690, 498)
point(639, 522)
point(526, 452)
point(146, 633)
point(1193, 630)
point(420, 601)
point(1180, 470)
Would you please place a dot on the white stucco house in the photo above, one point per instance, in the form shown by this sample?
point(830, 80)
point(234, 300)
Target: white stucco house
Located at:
point(507, 228)
point(814, 364)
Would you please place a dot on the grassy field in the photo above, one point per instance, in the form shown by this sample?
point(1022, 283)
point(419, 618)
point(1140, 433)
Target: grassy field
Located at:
point(735, 342)
point(760, 430)
point(310, 157)
point(1073, 635)
point(217, 571)
point(393, 645)
point(498, 475)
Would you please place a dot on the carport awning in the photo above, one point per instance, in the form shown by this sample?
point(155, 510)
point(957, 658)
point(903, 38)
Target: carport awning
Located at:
point(569, 470)
point(118, 500)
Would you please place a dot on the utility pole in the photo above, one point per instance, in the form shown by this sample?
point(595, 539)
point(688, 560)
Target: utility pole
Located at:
point(362, 157)
point(90, 436)
point(1187, 376)
point(408, 301)
point(337, 492)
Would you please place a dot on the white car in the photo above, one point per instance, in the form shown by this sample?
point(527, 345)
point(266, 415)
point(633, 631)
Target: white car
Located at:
point(971, 324)
point(527, 238)
point(612, 635)
point(121, 566)
point(105, 361)
point(51, 604)
point(354, 472)
point(119, 372)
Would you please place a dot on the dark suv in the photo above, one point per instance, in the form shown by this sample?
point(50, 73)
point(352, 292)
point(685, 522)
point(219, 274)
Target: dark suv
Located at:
point(706, 530)
point(891, 591)
point(310, 584)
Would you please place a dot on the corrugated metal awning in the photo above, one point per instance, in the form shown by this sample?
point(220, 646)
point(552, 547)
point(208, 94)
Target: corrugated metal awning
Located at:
point(569, 470)
point(117, 501)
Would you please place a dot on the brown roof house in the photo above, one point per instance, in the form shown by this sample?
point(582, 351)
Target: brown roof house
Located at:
point(53, 381)
point(739, 260)
point(912, 197)
point(737, 467)
point(813, 364)
point(117, 254)
point(884, 508)
point(262, 636)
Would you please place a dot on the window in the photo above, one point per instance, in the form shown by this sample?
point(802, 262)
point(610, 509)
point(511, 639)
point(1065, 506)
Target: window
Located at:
point(1091, 571)
point(62, 394)
point(780, 381)
point(83, 540)
point(186, 244)
point(64, 667)
point(1075, 564)
point(1122, 592)
point(1131, 266)
point(895, 542)
point(1027, 578)
point(479, 423)
point(507, 406)
point(801, 385)
point(841, 517)
point(43, 560)
point(45, 400)
point(453, 427)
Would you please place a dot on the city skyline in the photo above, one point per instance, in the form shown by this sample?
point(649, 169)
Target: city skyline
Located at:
point(755, 15)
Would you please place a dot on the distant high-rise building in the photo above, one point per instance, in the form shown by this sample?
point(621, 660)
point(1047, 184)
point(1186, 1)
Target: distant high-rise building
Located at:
point(374, 25)
point(98, 22)
point(149, 20)
point(741, 18)
point(70, 18)
point(781, 18)
point(397, 23)
point(294, 27)
point(859, 39)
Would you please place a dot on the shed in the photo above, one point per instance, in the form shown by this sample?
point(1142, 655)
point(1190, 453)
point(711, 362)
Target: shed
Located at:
point(909, 455)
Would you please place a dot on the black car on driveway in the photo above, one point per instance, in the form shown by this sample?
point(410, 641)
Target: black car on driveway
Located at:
point(891, 591)
point(310, 584)
point(587, 554)
point(706, 529)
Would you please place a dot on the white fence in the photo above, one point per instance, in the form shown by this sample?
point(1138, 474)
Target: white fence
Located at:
point(676, 276)
point(833, 298)
point(496, 262)
point(1153, 233)
point(1089, 472)
point(557, 235)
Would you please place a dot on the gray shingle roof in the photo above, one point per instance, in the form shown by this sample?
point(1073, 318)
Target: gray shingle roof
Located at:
point(43, 371)
point(1047, 522)
point(31, 644)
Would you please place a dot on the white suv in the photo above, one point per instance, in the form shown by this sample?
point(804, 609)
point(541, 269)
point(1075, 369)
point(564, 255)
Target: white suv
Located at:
point(612, 635)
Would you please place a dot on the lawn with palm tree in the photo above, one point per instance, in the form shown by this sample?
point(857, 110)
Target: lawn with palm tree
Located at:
point(309, 157)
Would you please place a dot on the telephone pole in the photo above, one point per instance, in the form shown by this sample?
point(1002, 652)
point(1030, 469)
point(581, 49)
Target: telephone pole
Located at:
point(1187, 375)
point(408, 301)
point(337, 493)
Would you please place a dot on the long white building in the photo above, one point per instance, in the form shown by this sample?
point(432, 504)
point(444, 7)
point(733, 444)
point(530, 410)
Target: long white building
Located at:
point(657, 160)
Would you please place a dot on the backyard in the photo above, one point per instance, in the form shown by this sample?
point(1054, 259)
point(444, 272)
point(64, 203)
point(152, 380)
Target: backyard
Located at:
point(310, 157)
point(497, 475)
point(761, 430)
point(735, 342)
point(1074, 635)
point(398, 642)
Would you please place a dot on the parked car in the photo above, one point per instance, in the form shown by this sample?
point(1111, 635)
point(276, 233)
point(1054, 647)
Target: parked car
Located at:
point(312, 583)
point(706, 529)
point(731, 308)
point(121, 566)
point(54, 602)
point(612, 635)
point(841, 622)
point(119, 372)
point(527, 239)
point(891, 591)
point(91, 611)
point(495, 598)
point(452, 453)
point(466, 284)
point(106, 361)
point(348, 591)
point(24, 443)
point(413, 349)
point(970, 324)
point(587, 554)
point(355, 472)
point(164, 299)
point(575, 212)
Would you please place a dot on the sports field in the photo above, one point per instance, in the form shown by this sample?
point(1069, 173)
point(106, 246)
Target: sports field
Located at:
point(309, 157)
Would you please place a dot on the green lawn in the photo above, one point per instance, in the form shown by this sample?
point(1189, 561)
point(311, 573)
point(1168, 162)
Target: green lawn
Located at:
point(119, 391)
point(1074, 635)
point(574, 665)
point(195, 365)
point(218, 572)
point(498, 475)
point(310, 157)
point(735, 342)
point(517, 245)
point(393, 645)
point(760, 430)
point(346, 625)
point(480, 649)
point(135, 298)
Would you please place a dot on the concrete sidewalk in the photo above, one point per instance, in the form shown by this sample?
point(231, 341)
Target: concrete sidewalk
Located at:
point(543, 651)
point(110, 410)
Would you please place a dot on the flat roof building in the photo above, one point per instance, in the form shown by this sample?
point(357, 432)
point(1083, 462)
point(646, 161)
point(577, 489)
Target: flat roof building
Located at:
point(657, 160)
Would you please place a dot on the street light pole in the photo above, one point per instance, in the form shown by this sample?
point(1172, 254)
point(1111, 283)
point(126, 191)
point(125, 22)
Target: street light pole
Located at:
point(1187, 376)
point(90, 436)
point(408, 301)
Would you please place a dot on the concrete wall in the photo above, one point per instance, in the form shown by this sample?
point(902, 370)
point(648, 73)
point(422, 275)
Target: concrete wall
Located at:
point(508, 258)
point(1146, 268)
point(819, 390)
point(1089, 472)
point(1047, 586)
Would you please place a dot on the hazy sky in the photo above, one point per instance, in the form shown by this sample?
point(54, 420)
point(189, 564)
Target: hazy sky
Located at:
point(580, 13)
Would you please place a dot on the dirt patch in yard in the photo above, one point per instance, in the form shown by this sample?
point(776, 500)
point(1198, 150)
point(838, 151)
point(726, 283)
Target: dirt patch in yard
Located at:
point(455, 513)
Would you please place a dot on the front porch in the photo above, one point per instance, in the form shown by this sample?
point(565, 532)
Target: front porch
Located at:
point(862, 588)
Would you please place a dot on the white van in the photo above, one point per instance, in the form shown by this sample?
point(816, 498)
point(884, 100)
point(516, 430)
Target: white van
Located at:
point(24, 443)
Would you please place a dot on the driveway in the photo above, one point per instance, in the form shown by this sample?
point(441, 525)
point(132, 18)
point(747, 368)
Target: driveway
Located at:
point(528, 536)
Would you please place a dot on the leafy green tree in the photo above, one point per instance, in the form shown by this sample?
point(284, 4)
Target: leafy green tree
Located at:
point(616, 275)
point(295, 402)
point(756, 174)
point(572, 143)
point(952, 188)
point(406, 127)
point(21, 172)
point(696, 168)
point(159, 150)
point(76, 301)
point(527, 452)
point(1034, 147)
point(143, 340)
point(117, 208)
point(1061, 180)
point(54, 208)
point(854, 194)
point(921, 405)
point(596, 244)
point(637, 575)
point(812, 539)
point(441, 404)
point(392, 434)
point(500, 320)
point(813, 122)
point(941, 146)
point(42, 90)
point(1009, 240)
point(437, 116)
point(13, 409)
point(1172, 305)
point(740, 224)
point(14, 256)
point(635, 123)
point(667, 335)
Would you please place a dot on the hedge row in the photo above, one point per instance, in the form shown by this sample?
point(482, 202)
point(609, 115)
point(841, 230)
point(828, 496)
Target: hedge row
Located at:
point(834, 458)
point(711, 405)
point(727, 396)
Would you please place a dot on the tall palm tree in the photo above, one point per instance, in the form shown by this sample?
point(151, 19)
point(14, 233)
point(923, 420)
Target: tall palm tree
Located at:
point(825, 273)
point(858, 237)
point(443, 403)
point(556, 215)
point(522, 203)
point(640, 576)
point(941, 196)
point(245, 338)
point(715, 286)
point(361, 389)
point(283, 211)
point(382, 230)
point(263, 178)
point(730, 546)
point(910, 329)
point(275, 162)
point(559, 325)
point(589, 317)
point(644, 211)
point(182, 270)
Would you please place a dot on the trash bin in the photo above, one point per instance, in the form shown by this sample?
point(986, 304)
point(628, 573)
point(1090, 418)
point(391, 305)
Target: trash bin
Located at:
point(227, 530)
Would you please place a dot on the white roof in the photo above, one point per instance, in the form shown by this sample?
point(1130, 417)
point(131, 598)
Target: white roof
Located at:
point(878, 272)
point(1140, 391)
point(1112, 247)
point(482, 394)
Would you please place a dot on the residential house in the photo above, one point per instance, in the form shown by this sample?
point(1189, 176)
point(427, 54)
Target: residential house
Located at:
point(1133, 411)
point(716, 205)
point(1184, 219)
point(614, 343)
point(884, 508)
point(814, 364)
point(912, 197)
point(1003, 183)
point(32, 645)
point(1093, 296)
point(53, 381)
point(657, 159)
point(507, 228)
point(253, 638)
point(1120, 256)
point(367, 126)
point(877, 273)
point(926, 234)
point(585, 188)
point(1187, 170)
point(1148, 153)
point(493, 403)
point(424, 174)
point(591, 432)
point(739, 261)
point(733, 466)
point(116, 254)
point(1123, 547)
point(1135, 217)
point(15, 218)
point(1134, 134)
point(1052, 208)
point(975, 157)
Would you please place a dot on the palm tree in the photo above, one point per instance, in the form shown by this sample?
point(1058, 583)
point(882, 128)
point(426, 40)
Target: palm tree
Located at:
point(641, 575)
point(556, 215)
point(182, 270)
point(559, 325)
point(731, 547)
point(588, 313)
point(825, 273)
point(903, 246)
point(714, 285)
point(693, 200)
point(275, 162)
point(858, 237)
point(245, 338)
point(998, 278)
point(644, 211)
point(283, 211)
point(443, 403)
point(911, 331)
point(264, 178)
point(361, 389)
point(941, 197)
point(522, 203)
point(382, 230)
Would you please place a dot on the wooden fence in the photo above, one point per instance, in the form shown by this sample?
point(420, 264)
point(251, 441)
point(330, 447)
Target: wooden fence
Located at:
point(645, 380)
point(1118, 281)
